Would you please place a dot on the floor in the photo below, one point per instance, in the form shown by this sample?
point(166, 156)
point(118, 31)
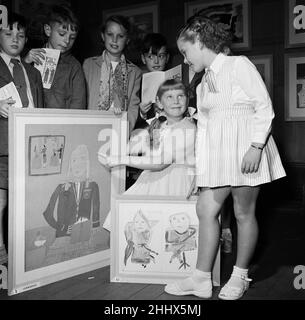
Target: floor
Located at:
point(280, 249)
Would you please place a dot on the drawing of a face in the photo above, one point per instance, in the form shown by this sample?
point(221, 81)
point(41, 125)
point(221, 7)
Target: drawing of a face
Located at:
point(180, 222)
point(140, 223)
point(79, 162)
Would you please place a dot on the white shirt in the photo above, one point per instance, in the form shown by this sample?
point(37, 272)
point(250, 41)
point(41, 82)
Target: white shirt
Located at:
point(7, 59)
point(248, 88)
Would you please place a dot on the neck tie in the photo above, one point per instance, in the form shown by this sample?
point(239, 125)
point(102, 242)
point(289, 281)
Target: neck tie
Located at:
point(19, 80)
point(209, 78)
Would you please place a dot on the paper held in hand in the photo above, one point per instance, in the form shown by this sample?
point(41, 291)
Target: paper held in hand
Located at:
point(48, 67)
point(152, 80)
point(10, 91)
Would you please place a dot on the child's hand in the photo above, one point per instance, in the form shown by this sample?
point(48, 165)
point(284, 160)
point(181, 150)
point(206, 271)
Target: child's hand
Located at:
point(108, 161)
point(5, 105)
point(145, 107)
point(117, 111)
point(36, 56)
point(251, 160)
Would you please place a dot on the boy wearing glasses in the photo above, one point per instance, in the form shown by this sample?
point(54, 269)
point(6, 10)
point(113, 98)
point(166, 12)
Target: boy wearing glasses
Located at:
point(155, 56)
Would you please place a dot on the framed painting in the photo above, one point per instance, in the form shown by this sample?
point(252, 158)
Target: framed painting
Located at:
point(295, 86)
point(55, 220)
point(294, 23)
point(234, 14)
point(264, 65)
point(155, 240)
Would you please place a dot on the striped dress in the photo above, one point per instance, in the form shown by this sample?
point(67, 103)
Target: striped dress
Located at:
point(238, 114)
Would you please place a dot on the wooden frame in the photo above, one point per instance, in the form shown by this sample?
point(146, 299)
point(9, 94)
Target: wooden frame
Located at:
point(163, 250)
point(264, 65)
point(55, 221)
point(294, 37)
point(295, 86)
point(143, 16)
point(223, 11)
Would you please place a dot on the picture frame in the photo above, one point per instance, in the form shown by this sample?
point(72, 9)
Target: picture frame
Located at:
point(264, 65)
point(295, 86)
point(144, 16)
point(294, 37)
point(148, 242)
point(55, 221)
point(235, 14)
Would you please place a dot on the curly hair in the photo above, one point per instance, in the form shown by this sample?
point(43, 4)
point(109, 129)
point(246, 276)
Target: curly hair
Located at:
point(211, 34)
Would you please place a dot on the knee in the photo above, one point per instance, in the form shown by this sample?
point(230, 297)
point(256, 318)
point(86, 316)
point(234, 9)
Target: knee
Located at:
point(205, 213)
point(244, 214)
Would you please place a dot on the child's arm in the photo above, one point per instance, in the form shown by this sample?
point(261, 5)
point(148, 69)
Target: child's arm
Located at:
point(5, 105)
point(153, 163)
point(134, 101)
point(78, 88)
point(249, 79)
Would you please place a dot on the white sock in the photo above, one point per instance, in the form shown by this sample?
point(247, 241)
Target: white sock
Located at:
point(237, 282)
point(198, 280)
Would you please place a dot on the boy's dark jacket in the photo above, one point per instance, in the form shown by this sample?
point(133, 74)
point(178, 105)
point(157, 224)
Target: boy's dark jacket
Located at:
point(68, 90)
point(36, 90)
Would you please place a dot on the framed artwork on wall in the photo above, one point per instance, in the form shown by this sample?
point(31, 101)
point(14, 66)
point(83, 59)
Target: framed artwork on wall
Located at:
point(234, 14)
point(264, 65)
point(154, 240)
point(55, 220)
point(294, 23)
point(295, 86)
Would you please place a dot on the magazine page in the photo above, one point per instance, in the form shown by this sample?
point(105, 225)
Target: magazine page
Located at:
point(152, 80)
point(48, 68)
point(150, 84)
point(10, 91)
point(174, 73)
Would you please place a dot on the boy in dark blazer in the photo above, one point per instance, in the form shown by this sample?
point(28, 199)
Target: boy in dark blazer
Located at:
point(29, 85)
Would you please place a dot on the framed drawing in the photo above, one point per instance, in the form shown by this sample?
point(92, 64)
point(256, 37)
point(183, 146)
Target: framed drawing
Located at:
point(264, 65)
point(295, 86)
point(294, 23)
point(55, 220)
point(155, 240)
point(143, 19)
point(234, 14)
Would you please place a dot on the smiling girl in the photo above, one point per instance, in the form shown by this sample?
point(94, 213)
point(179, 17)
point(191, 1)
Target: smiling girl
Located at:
point(113, 82)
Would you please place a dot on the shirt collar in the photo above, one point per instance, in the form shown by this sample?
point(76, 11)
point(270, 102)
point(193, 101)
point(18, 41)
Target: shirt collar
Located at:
point(7, 58)
point(217, 62)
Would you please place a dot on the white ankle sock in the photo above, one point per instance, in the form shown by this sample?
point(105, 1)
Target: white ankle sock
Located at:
point(240, 271)
point(199, 279)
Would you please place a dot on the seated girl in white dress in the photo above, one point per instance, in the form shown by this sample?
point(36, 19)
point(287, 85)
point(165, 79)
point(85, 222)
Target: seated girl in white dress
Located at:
point(168, 151)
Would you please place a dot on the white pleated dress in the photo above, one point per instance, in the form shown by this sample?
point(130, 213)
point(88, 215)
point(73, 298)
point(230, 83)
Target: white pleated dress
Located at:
point(238, 114)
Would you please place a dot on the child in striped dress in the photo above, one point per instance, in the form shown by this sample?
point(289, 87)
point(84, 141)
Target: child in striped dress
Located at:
point(235, 152)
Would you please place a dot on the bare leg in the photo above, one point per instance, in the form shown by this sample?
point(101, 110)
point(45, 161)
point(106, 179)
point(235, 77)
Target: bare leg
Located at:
point(244, 199)
point(209, 204)
point(200, 283)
